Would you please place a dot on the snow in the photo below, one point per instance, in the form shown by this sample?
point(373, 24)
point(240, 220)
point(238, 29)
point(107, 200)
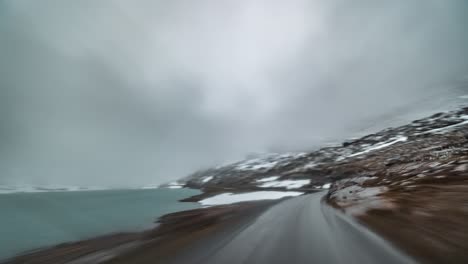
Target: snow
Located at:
point(288, 184)
point(462, 168)
point(310, 165)
point(326, 186)
point(292, 155)
point(381, 145)
point(447, 128)
point(252, 165)
point(357, 200)
point(175, 185)
point(6, 189)
point(360, 180)
point(273, 178)
point(267, 162)
point(230, 198)
point(340, 158)
point(20, 189)
point(358, 192)
point(149, 187)
point(371, 191)
point(207, 179)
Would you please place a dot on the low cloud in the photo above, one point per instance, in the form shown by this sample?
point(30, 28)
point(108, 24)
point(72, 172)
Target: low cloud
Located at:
point(125, 93)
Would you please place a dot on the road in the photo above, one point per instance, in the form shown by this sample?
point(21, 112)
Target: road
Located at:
point(298, 230)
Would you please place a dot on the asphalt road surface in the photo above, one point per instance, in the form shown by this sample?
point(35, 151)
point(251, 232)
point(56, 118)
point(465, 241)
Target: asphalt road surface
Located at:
point(298, 230)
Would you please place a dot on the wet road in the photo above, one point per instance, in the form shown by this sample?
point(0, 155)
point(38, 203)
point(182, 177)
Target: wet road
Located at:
point(299, 230)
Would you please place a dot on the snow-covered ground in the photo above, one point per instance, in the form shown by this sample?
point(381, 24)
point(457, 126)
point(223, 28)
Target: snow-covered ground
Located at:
point(288, 184)
point(381, 145)
point(267, 161)
point(268, 179)
point(230, 198)
point(175, 185)
point(357, 200)
point(448, 128)
point(207, 179)
point(149, 187)
point(7, 189)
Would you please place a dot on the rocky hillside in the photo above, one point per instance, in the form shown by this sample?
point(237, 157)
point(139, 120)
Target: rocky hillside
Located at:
point(409, 184)
point(391, 155)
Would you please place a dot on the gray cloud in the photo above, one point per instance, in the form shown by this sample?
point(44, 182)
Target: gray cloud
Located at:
point(135, 92)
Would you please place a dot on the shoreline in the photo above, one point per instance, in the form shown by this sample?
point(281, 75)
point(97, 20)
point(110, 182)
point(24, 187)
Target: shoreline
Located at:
point(172, 233)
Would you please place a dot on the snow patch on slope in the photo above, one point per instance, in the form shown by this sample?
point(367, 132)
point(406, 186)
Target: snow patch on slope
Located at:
point(447, 128)
point(381, 145)
point(267, 162)
point(288, 184)
point(207, 179)
point(269, 179)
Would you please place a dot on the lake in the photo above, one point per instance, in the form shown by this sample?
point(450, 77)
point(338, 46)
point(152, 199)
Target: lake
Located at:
point(32, 220)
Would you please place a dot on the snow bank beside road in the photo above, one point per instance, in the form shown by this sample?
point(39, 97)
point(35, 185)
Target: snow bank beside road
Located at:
point(230, 198)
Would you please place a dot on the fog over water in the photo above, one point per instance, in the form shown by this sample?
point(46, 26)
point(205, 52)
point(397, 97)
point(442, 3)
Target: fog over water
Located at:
point(126, 93)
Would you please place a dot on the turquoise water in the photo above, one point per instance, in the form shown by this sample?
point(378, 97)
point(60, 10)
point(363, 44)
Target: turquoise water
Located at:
point(32, 220)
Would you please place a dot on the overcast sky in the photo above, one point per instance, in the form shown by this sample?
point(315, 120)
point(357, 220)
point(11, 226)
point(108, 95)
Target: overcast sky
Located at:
point(135, 92)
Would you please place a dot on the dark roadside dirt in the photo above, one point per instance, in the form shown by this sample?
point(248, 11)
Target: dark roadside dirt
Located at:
point(429, 222)
point(423, 206)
